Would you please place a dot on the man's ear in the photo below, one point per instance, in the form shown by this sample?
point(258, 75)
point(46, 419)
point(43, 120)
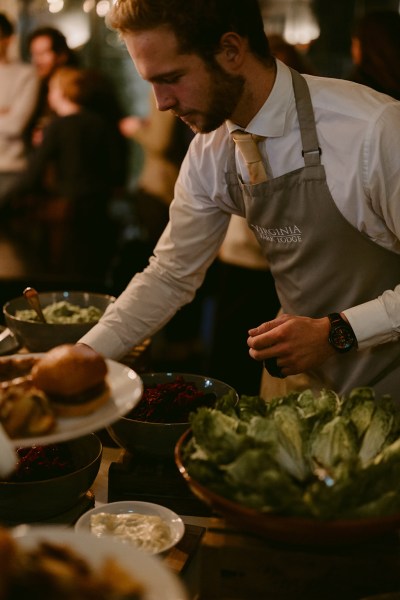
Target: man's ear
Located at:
point(231, 51)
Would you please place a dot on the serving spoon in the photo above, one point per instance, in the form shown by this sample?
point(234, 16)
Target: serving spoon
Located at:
point(32, 297)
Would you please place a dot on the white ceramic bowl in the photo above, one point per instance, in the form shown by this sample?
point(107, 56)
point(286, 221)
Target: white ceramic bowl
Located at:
point(175, 523)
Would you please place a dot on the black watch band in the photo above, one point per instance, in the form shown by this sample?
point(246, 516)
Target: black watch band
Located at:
point(341, 335)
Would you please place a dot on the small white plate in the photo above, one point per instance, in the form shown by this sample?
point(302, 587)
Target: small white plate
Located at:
point(175, 523)
point(159, 581)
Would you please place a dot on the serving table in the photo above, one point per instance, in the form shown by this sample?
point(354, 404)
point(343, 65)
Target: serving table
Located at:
point(218, 562)
point(184, 558)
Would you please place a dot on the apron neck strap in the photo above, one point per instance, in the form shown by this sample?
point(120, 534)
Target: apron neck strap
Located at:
point(311, 150)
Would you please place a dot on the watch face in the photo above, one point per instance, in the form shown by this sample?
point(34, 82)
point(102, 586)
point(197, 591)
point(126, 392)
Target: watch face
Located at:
point(342, 338)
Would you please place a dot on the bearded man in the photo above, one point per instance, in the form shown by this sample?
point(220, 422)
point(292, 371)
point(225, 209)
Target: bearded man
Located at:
point(326, 210)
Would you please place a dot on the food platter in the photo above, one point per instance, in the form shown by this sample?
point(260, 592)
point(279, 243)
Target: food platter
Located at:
point(174, 522)
point(159, 582)
point(126, 391)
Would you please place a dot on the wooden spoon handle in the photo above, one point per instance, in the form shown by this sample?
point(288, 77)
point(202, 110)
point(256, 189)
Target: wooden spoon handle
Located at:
point(33, 298)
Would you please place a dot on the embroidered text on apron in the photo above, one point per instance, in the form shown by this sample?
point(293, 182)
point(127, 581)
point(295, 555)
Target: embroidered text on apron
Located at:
point(320, 262)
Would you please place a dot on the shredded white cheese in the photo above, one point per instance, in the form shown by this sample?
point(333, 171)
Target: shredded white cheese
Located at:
point(148, 532)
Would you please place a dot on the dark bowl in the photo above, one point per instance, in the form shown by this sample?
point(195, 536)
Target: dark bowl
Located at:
point(40, 337)
point(291, 530)
point(35, 501)
point(159, 439)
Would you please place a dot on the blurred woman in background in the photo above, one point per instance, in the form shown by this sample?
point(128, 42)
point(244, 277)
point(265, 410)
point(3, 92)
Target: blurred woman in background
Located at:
point(49, 50)
point(72, 174)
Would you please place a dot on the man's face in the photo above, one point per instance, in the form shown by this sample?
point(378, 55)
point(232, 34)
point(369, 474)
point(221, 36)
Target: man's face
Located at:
point(201, 96)
point(43, 56)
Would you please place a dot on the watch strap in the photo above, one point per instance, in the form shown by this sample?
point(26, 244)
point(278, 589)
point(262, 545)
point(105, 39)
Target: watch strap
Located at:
point(337, 319)
point(338, 323)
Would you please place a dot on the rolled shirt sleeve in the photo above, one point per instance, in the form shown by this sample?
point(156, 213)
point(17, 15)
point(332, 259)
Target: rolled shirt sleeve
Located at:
point(181, 258)
point(377, 321)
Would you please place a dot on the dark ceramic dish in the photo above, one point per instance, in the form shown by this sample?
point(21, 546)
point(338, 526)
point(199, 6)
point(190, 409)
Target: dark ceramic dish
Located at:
point(38, 500)
point(40, 337)
point(159, 439)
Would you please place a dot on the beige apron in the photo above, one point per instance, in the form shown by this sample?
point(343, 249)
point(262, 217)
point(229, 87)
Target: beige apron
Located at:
point(320, 262)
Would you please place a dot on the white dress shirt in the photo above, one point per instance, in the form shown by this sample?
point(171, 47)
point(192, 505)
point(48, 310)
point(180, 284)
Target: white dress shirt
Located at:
point(358, 131)
point(19, 87)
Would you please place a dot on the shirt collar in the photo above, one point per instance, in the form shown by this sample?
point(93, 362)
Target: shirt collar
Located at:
point(270, 119)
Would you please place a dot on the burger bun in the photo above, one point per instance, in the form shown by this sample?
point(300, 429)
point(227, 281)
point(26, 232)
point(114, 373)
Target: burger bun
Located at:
point(73, 376)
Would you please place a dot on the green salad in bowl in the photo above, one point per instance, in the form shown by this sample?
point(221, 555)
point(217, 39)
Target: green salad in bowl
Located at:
point(305, 459)
point(63, 312)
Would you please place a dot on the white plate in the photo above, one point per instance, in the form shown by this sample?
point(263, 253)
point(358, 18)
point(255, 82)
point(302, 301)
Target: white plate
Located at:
point(176, 525)
point(160, 583)
point(126, 391)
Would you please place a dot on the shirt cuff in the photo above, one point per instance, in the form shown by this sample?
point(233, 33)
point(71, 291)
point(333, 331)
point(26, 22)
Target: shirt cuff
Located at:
point(370, 324)
point(104, 341)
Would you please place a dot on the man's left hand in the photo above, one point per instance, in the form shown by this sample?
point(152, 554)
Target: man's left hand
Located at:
point(297, 343)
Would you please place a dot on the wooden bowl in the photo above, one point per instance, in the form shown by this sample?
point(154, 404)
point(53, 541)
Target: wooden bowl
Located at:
point(292, 530)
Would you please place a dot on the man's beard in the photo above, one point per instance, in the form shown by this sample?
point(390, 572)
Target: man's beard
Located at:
point(225, 93)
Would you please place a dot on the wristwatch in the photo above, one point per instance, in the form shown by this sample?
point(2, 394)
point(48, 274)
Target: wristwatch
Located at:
point(341, 336)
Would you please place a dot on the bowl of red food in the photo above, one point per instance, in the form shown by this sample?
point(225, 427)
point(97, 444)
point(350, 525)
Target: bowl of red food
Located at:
point(155, 425)
point(50, 480)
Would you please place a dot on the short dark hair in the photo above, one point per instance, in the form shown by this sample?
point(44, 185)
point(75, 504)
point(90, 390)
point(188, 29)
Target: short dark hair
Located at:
point(197, 24)
point(59, 43)
point(6, 27)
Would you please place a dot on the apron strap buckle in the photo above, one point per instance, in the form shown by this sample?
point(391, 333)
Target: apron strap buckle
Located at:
point(311, 157)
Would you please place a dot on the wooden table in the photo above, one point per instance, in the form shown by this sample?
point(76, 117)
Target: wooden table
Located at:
point(184, 559)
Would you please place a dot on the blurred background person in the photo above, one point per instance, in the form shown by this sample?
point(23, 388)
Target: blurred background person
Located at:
point(241, 267)
point(164, 140)
point(290, 55)
point(99, 96)
point(48, 49)
point(72, 174)
point(375, 51)
point(18, 97)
